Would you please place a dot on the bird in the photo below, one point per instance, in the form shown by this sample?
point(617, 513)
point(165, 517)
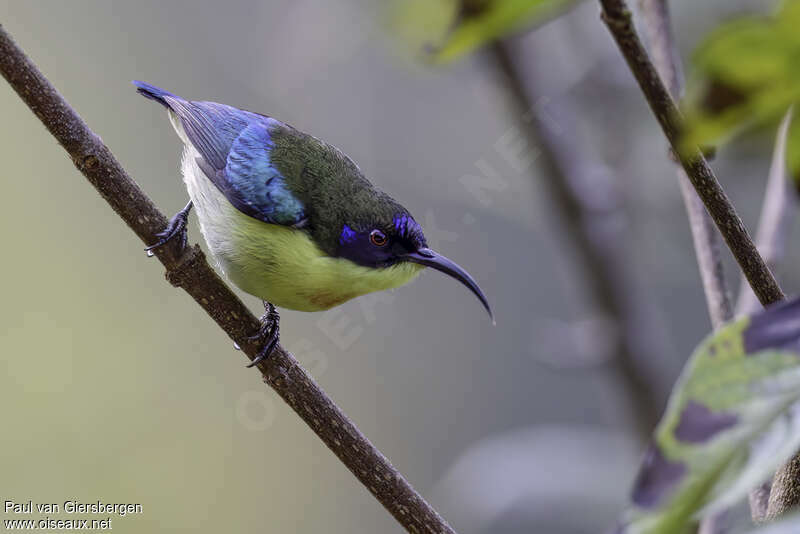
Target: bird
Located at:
point(289, 218)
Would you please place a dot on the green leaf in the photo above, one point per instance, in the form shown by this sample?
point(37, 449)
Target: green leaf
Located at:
point(419, 23)
point(474, 23)
point(732, 419)
point(497, 19)
point(745, 75)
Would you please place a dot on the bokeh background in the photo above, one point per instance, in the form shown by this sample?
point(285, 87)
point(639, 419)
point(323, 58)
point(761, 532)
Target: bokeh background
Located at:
point(115, 386)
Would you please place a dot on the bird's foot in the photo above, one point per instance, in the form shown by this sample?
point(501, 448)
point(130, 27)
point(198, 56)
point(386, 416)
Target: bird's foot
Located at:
point(268, 334)
point(175, 228)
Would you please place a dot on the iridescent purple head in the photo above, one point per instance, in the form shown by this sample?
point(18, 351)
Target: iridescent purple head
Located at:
point(381, 246)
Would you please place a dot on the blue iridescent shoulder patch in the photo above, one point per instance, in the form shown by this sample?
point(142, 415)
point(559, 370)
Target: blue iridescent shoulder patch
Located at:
point(253, 184)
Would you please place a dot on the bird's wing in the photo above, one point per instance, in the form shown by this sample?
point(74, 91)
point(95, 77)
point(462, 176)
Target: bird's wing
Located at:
point(235, 147)
point(256, 187)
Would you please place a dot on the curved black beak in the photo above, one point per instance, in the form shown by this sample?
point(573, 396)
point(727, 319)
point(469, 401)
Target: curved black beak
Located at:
point(434, 260)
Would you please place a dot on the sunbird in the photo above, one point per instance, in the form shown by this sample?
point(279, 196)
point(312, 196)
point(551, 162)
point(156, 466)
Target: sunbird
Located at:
point(289, 218)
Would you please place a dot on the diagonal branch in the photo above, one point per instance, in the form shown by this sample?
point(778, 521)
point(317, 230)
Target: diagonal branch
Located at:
point(779, 204)
point(704, 235)
point(617, 16)
point(191, 272)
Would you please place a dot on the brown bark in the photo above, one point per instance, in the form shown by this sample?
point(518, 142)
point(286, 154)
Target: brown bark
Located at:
point(190, 271)
point(617, 16)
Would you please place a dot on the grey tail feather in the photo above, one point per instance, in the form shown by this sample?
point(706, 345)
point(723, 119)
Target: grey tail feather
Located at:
point(153, 93)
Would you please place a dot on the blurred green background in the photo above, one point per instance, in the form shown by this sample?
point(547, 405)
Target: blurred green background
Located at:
point(117, 387)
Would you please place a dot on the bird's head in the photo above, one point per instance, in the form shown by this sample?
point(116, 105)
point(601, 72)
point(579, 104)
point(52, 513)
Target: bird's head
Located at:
point(383, 240)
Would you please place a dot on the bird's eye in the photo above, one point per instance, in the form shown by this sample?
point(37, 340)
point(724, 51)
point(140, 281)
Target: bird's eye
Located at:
point(378, 238)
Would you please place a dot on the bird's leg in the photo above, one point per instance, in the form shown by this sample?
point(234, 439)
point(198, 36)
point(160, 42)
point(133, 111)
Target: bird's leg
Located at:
point(175, 227)
point(268, 334)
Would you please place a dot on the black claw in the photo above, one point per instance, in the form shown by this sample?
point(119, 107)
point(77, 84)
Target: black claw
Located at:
point(175, 227)
point(268, 334)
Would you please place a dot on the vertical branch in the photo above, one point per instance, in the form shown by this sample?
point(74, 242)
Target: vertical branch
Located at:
point(666, 59)
point(758, 500)
point(776, 213)
point(707, 247)
point(785, 491)
point(705, 237)
point(589, 207)
point(770, 500)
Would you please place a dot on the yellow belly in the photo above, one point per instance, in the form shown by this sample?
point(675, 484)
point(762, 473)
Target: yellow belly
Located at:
point(277, 263)
point(285, 267)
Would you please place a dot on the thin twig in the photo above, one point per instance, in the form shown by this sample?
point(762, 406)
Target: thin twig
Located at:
point(771, 236)
point(658, 25)
point(707, 247)
point(771, 500)
point(705, 237)
point(617, 16)
point(776, 216)
point(758, 500)
point(190, 271)
point(588, 203)
point(776, 212)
